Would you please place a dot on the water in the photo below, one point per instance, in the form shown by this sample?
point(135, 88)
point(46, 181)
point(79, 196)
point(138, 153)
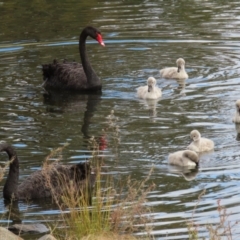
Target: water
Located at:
point(141, 37)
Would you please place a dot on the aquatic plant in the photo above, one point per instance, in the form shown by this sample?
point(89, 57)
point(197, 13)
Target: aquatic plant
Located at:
point(118, 208)
point(223, 229)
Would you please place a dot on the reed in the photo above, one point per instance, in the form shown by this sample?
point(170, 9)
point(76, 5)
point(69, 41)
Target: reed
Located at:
point(222, 230)
point(117, 209)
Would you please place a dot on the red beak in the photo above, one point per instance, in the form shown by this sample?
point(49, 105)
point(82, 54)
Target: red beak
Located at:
point(100, 40)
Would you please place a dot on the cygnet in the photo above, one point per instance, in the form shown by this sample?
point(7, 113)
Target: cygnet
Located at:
point(184, 158)
point(175, 72)
point(200, 144)
point(151, 91)
point(236, 118)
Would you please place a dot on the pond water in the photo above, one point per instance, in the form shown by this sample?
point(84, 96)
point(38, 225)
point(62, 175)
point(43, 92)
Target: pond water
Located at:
point(141, 37)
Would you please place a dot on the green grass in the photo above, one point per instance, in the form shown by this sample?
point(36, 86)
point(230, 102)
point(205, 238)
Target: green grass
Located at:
point(113, 212)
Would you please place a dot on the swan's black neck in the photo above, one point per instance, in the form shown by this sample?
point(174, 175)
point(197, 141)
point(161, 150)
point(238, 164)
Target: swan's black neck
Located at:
point(11, 186)
point(92, 78)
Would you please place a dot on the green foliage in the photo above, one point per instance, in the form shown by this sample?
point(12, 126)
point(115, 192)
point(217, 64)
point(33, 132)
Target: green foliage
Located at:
point(117, 209)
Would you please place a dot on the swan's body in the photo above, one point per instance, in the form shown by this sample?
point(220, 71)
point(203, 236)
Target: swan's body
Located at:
point(151, 91)
point(236, 118)
point(200, 144)
point(74, 76)
point(52, 181)
point(175, 72)
point(184, 158)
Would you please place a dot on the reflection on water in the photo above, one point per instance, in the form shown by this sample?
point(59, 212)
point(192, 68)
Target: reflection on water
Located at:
point(237, 127)
point(188, 173)
point(150, 105)
point(141, 38)
point(61, 102)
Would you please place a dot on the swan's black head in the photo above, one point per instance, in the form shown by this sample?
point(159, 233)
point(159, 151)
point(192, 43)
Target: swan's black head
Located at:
point(8, 149)
point(3, 146)
point(93, 33)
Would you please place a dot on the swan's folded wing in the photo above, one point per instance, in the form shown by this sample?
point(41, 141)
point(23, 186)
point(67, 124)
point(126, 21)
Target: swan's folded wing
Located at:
point(169, 72)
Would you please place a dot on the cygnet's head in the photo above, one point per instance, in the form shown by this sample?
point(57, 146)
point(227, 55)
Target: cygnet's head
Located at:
point(195, 135)
point(151, 82)
point(238, 106)
point(191, 155)
point(180, 63)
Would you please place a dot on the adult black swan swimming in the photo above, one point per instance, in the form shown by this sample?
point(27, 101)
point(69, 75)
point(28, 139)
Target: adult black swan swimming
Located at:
point(74, 76)
point(51, 181)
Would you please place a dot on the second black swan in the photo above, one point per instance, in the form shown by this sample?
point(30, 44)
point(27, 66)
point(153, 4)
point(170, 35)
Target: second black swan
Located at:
point(74, 76)
point(52, 181)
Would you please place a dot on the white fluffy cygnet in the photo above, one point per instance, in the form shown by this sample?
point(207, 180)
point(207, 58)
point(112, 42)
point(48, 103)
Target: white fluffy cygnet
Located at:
point(200, 144)
point(184, 158)
point(151, 91)
point(236, 118)
point(175, 72)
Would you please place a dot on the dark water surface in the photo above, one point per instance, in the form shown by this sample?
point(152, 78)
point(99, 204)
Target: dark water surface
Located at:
point(141, 37)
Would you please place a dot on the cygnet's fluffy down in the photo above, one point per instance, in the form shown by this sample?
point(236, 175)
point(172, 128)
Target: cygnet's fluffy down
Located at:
point(151, 91)
point(184, 158)
point(175, 72)
point(236, 118)
point(200, 144)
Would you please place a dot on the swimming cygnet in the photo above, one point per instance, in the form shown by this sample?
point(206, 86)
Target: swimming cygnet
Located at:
point(151, 91)
point(184, 158)
point(236, 118)
point(200, 144)
point(175, 72)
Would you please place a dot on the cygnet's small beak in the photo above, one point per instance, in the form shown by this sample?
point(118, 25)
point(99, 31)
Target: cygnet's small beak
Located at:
point(179, 68)
point(150, 88)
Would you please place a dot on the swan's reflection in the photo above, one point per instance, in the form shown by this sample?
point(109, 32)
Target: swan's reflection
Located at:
point(15, 210)
point(150, 105)
point(181, 86)
point(69, 102)
point(205, 155)
point(12, 211)
point(237, 127)
point(189, 173)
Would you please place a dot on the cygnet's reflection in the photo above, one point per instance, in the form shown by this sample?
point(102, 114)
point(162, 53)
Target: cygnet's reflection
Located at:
point(176, 85)
point(181, 86)
point(236, 119)
point(237, 127)
point(187, 172)
point(151, 105)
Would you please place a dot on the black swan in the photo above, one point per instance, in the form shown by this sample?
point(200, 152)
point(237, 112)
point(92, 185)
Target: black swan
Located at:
point(51, 181)
point(74, 76)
